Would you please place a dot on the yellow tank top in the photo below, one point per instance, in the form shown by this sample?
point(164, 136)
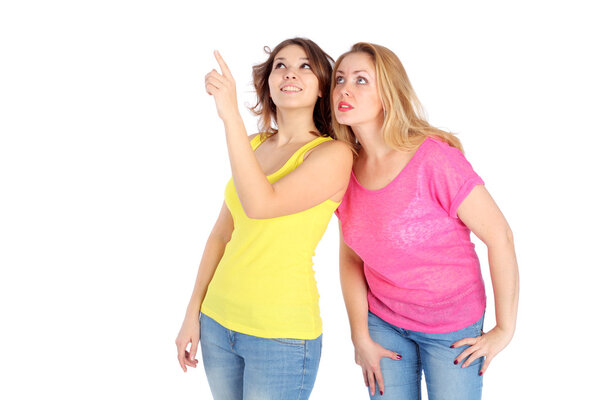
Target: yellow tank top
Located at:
point(264, 284)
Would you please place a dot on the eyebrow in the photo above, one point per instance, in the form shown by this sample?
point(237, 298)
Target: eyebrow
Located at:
point(355, 72)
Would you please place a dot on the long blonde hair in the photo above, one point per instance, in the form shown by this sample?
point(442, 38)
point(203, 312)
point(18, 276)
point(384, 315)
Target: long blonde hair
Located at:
point(404, 124)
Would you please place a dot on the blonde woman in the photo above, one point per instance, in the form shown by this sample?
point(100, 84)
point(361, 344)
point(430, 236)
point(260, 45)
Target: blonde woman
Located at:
point(410, 275)
point(255, 294)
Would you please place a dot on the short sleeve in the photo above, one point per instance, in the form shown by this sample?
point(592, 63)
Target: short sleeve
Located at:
point(452, 177)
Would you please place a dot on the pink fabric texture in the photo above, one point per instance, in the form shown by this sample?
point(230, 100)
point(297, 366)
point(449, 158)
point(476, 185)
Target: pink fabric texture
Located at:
point(420, 264)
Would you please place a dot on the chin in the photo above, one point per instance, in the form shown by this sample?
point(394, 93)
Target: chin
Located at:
point(293, 103)
point(343, 119)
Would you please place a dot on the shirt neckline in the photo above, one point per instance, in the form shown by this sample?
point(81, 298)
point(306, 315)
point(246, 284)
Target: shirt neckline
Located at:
point(292, 157)
point(410, 162)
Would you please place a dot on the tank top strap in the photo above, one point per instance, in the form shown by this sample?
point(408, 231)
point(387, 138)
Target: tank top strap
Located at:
point(299, 154)
point(257, 140)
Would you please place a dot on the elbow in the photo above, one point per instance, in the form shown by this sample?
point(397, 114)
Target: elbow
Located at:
point(253, 215)
point(500, 239)
point(220, 237)
point(256, 212)
point(508, 236)
point(261, 208)
point(257, 206)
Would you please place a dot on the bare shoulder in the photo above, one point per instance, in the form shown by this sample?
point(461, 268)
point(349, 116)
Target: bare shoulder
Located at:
point(331, 148)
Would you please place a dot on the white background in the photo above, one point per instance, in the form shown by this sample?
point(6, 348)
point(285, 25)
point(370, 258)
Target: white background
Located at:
point(113, 165)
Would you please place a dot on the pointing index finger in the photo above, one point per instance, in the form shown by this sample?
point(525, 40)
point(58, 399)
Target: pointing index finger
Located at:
point(224, 68)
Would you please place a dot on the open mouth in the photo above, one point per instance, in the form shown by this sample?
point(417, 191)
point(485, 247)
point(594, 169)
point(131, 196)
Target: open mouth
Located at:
point(343, 106)
point(290, 89)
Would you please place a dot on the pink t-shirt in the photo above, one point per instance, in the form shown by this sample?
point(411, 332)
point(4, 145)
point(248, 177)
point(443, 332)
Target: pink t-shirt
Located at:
point(419, 261)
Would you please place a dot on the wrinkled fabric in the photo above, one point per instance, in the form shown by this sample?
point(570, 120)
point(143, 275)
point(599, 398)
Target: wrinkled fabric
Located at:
point(419, 262)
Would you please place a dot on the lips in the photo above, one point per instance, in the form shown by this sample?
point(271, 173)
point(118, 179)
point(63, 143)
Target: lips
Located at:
point(290, 89)
point(343, 106)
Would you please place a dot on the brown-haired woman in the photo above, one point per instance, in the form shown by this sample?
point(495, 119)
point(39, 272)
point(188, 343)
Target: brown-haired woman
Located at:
point(410, 275)
point(255, 293)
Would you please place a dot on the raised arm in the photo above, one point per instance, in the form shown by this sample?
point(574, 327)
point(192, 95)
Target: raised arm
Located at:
point(213, 251)
point(367, 353)
point(481, 215)
point(321, 176)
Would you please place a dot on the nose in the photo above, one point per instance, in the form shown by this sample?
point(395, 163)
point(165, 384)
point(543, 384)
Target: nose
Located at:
point(343, 88)
point(290, 74)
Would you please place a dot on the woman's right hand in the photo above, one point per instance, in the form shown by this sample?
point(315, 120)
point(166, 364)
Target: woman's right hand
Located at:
point(368, 355)
point(222, 87)
point(189, 333)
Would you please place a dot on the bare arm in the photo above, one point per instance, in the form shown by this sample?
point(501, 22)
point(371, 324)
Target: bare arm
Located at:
point(213, 251)
point(302, 189)
point(367, 353)
point(482, 216)
point(354, 289)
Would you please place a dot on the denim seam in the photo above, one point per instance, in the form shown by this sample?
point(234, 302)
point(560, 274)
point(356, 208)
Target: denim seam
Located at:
point(303, 372)
point(231, 340)
point(419, 370)
point(278, 340)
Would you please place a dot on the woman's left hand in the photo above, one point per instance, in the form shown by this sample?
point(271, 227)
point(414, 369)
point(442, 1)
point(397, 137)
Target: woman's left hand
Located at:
point(222, 87)
point(487, 345)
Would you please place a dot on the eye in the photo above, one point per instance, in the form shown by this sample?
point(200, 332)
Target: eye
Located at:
point(279, 65)
point(305, 66)
point(339, 79)
point(361, 81)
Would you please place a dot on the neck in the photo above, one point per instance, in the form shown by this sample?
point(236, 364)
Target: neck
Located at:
point(294, 126)
point(371, 141)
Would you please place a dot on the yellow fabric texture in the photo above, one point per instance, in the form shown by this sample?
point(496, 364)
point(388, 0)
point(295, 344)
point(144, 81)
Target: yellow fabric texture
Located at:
point(264, 284)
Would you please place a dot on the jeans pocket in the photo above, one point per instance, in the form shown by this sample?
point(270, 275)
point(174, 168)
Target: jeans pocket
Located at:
point(291, 342)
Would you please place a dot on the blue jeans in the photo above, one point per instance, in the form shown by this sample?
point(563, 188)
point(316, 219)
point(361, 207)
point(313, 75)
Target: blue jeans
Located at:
point(240, 366)
point(428, 352)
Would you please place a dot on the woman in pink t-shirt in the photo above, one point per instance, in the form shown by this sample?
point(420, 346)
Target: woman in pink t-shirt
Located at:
point(410, 275)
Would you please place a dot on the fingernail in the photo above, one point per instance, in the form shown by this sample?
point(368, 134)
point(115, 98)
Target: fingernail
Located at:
point(480, 373)
point(398, 357)
point(455, 362)
point(381, 392)
point(452, 346)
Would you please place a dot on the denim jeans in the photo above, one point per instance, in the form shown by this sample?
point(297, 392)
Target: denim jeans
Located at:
point(240, 366)
point(429, 353)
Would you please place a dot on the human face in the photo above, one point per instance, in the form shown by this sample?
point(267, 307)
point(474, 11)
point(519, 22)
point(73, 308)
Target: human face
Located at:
point(355, 95)
point(292, 83)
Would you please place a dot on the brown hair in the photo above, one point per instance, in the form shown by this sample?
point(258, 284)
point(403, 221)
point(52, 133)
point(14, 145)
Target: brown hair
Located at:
point(321, 65)
point(404, 124)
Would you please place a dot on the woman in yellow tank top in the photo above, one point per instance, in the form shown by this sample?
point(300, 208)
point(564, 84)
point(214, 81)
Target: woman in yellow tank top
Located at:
point(255, 301)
